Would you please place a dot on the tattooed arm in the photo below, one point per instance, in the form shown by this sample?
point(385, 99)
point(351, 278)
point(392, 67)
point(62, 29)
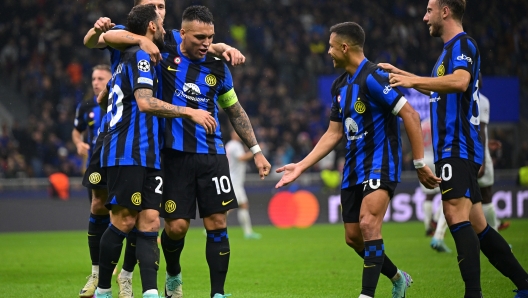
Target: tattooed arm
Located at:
point(240, 121)
point(151, 105)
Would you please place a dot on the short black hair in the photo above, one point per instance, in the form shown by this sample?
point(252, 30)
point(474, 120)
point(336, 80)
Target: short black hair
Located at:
point(198, 13)
point(139, 18)
point(457, 7)
point(350, 31)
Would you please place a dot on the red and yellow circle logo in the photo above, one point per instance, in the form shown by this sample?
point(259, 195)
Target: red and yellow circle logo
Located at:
point(299, 209)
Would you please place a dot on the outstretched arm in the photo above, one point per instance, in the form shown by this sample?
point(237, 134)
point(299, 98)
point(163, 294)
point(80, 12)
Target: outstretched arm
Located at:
point(394, 70)
point(228, 52)
point(452, 83)
point(240, 121)
point(328, 141)
point(147, 103)
point(411, 121)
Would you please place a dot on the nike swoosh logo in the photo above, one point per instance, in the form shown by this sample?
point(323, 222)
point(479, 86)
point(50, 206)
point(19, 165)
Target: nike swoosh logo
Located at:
point(157, 263)
point(460, 261)
point(173, 250)
point(91, 235)
point(444, 191)
point(225, 203)
point(113, 263)
point(172, 69)
point(132, 244)
point(224, 253)
point(369, 266)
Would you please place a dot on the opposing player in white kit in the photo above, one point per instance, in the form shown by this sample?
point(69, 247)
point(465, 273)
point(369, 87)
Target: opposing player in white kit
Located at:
point(437, 243)
point(238, 158)
point(485, 175)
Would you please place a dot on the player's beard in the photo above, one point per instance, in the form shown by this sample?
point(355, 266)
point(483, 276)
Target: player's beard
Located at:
point(158, 41)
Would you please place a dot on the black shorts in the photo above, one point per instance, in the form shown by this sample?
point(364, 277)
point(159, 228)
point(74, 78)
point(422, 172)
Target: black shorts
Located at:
point(352, 197)
point(459, 179)
point(196, 178)
point(134, 187)
point(95, 176)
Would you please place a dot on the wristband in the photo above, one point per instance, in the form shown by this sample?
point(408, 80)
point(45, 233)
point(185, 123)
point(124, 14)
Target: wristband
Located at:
point(419, 163)
point(255, 149)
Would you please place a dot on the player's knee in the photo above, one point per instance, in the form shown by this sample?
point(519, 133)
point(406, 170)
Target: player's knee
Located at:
point(215, 221)
point(176, 229)
point(98, 207)
point(354, 241)
point(148, 221)
point(124, 222)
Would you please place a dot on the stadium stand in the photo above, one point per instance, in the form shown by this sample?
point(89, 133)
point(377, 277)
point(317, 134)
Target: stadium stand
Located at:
point(46, 69)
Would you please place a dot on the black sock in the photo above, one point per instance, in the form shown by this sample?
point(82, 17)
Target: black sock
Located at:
point(172, 251)
point(499, 254)
point(468, 249)
point(217, 253)
point(147, 253)
point(130, 259)
point(96, 227)
point(388, 268)
point(373, 261)
point(111, 245)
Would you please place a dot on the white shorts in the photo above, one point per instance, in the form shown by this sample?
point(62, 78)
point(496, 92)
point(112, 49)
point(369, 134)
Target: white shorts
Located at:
point(240, 193)
point(429, 161)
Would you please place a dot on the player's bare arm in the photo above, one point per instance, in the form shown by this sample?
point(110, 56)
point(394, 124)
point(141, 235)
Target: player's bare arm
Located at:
point(94, 36)
point(394, 70)
point(229, 53)
point(102, 99)
point(327, 143)
point(77, 139)
point(452, 83)
point(147, 103)
point(411, 121)
point(240, 121)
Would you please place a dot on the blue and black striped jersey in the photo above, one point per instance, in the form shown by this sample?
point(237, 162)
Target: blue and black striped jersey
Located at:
point(88, 117)
point(367, 106)
point(132, 137)
point(455, 116)
point(197, 84)
point(115, 57)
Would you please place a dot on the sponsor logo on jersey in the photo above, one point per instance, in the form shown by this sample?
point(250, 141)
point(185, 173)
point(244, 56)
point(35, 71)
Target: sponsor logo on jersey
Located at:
point(192, 92)
point(464, 57)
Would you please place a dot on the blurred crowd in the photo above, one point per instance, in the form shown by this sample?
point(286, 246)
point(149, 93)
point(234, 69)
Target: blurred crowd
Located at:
point(285, 42)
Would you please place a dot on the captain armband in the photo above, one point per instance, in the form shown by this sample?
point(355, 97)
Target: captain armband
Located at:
point(227, 99)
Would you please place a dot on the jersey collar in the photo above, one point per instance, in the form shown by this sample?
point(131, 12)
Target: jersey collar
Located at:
point(453, 39)
point(351, 79)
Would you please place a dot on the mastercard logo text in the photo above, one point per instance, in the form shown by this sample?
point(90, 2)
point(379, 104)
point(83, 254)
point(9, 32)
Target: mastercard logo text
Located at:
point(299, 209)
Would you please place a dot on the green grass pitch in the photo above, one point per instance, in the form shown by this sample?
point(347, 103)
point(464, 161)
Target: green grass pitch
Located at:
point(313, 262)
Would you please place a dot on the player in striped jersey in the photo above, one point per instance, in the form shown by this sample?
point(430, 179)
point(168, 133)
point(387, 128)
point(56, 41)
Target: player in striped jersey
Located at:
point(365, 109)
point(130, 155)
point(458, 150)
point(193, 79)
point(88, 115)
point(95, 38)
